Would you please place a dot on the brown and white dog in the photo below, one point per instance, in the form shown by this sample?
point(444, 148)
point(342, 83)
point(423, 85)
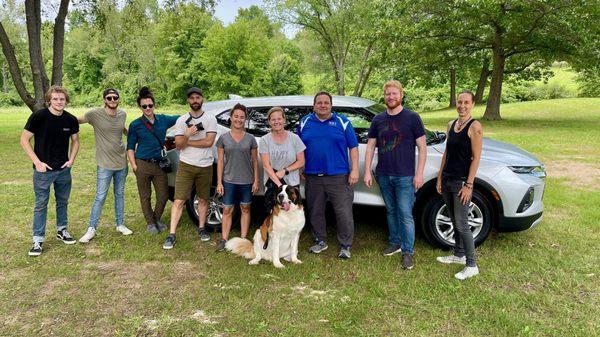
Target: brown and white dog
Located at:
point(279, 234)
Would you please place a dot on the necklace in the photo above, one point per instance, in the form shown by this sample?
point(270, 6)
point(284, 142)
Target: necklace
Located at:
point(461, 124)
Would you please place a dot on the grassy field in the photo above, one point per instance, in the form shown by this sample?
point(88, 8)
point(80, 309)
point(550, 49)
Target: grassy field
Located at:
point(540, 282)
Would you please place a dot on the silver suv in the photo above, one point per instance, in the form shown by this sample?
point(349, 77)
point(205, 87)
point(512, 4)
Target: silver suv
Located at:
point(508, 188)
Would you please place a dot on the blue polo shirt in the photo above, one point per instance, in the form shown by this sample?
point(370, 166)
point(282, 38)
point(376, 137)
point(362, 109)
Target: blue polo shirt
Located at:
point(143, 142)
point(327, 143)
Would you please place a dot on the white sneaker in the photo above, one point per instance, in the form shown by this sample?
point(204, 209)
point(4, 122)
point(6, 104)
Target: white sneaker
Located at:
point(91, 232)
point(124, 230)
point(466, 273)
point(452, 259)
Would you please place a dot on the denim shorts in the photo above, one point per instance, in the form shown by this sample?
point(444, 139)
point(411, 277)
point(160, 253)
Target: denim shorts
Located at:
point(236, 193)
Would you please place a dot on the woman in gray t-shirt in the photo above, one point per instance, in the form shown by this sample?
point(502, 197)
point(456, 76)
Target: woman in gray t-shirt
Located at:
point(282, 154)
point(237, 172)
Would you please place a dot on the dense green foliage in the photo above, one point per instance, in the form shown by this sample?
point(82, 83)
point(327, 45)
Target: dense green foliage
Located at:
point(350, 47)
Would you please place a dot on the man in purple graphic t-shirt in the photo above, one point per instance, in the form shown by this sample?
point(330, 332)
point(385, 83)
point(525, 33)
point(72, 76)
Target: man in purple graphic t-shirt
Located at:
point(396, 132)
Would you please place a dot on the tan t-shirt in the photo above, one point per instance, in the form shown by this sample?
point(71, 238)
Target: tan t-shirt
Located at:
point(108, 133)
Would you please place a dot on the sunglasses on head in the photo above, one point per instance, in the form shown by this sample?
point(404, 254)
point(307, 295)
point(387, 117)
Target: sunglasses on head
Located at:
point(112, 98)
point(147, 106)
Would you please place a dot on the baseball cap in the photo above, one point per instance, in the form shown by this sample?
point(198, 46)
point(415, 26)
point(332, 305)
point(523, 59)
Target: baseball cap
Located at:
point(194, 90)
point(110, 91)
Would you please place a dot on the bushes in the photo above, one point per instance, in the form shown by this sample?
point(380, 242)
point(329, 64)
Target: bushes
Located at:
point(527, 92)
point(10, 99)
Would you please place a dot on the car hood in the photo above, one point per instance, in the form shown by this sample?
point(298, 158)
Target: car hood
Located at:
point(497, 151)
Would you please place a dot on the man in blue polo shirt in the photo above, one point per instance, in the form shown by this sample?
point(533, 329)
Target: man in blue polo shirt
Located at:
point(329, 174)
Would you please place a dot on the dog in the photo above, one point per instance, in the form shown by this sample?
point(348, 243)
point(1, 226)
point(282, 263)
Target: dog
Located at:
point(279, 234)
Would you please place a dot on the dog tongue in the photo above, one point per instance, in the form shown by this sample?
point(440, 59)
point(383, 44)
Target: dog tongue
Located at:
point(286, 206)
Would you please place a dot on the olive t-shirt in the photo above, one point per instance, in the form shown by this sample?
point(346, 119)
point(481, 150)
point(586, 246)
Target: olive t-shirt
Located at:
point(108, 133)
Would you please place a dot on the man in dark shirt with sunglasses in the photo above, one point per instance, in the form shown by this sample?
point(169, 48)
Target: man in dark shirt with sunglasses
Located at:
point(111, 159)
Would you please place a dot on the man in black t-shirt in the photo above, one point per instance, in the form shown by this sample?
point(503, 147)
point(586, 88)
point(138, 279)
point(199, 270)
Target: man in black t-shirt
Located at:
point(51, 128)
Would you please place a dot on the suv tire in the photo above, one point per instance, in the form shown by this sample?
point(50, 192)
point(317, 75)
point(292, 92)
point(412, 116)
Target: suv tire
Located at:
point(437, 226)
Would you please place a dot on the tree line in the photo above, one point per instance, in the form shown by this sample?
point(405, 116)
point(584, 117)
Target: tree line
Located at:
point(345, 46)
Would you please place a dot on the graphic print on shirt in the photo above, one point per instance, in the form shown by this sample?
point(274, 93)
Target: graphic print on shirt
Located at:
point(389, 137)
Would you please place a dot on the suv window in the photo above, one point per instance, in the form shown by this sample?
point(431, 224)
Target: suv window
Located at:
point(257, 123)
point(360, 119)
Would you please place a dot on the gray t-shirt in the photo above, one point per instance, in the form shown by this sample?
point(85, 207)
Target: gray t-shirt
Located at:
point(282, 155)
point(238, 158)
point(108, 134)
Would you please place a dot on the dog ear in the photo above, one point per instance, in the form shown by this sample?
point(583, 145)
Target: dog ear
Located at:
point(297, 196)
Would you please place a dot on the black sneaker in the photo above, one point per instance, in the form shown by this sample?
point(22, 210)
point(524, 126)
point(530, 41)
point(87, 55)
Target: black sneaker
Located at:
point(36, 250)
point(407, 261)
point(221, 245)
point(170, 242)
point(203, 233)
point(65, 237)
point(391, 250)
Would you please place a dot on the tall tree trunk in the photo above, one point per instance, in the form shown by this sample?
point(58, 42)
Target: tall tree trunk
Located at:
point(481, 84)
point(34, 25)
point(341, 78)
point(4, 78)
point(364, 82)
point(452, 88)
point(15, 71)
point(492, 109)
point(59, 43)
point(365, 70)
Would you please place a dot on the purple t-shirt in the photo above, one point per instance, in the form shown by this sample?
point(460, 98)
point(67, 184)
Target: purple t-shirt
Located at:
point(396, 140)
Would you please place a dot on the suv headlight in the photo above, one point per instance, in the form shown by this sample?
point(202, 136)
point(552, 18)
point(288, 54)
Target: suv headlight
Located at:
point(537, 171)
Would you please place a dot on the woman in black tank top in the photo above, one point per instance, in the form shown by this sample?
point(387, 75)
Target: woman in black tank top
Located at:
point(455, 181)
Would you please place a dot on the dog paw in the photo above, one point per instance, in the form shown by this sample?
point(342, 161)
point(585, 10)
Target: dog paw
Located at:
point(253, 262)
point(296, 261)
point(279, 265)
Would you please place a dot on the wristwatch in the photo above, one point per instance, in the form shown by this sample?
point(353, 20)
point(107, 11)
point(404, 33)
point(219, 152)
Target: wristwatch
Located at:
point(286, 172)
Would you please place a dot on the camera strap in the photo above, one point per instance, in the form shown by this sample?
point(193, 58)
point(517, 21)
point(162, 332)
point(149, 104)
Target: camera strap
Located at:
point(146, 122)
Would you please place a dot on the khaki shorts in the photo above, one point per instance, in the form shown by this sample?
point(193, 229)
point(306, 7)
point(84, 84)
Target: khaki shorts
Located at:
point(190, 175)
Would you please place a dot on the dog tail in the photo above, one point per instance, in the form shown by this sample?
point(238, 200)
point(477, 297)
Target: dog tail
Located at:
point(241, 247)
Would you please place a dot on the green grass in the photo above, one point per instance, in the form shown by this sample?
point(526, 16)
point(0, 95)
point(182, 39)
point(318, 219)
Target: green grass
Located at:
point(540, 282)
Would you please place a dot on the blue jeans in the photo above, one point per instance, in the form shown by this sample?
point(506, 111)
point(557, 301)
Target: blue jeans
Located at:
point(399, 196)
point(61, 179)
point(236, 193)
point(103, 178)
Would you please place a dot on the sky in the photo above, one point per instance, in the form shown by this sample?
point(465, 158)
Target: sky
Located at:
point(227, 10)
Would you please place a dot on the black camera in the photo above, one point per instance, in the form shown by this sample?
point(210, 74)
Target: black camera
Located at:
point(199, 126)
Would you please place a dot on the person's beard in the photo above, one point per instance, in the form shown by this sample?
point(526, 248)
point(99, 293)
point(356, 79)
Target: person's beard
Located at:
point(196, 106)
point(393, 104)
point(111, 105)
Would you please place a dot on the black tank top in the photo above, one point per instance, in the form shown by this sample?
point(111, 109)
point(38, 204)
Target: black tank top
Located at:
point(458, 153)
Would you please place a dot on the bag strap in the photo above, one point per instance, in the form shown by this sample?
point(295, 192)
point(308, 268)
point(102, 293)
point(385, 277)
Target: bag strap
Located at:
point(146, 123)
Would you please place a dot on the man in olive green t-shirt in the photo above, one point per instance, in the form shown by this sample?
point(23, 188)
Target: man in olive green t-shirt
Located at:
point(111, 158)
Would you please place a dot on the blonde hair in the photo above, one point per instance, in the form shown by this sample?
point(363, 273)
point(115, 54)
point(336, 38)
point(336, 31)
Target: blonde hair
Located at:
point(56, 89)
point(393, 84)
point(275, 109)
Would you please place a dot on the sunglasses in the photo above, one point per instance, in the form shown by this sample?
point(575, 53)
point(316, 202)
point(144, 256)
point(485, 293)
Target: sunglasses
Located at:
point(112, 98)
point(148, 106)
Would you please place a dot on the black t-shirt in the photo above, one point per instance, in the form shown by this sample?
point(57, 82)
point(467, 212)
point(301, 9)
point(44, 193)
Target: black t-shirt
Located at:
point(51, 135)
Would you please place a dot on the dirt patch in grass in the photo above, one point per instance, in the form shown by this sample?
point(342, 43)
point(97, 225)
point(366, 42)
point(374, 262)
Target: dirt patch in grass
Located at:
point(580, 175)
